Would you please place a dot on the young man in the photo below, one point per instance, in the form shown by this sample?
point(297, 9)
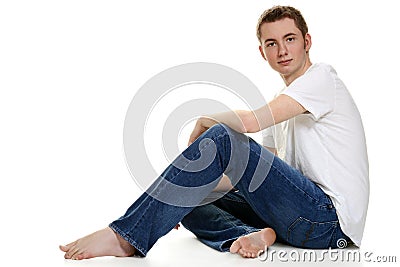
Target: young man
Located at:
point(314, 195)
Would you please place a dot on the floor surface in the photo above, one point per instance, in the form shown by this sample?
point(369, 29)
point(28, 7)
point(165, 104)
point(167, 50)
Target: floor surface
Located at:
point(181, 248)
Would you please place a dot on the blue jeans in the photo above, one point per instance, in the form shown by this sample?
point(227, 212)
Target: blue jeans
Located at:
point(301, 214)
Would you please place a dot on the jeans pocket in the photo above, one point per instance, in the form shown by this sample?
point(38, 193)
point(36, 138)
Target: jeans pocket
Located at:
point(308, 234)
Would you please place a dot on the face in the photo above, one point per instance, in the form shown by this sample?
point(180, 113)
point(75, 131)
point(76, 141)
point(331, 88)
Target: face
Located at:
point(285, 49)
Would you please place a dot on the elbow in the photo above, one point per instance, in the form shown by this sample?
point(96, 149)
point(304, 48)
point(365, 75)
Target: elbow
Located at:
point(250, 123)
point(252, 129)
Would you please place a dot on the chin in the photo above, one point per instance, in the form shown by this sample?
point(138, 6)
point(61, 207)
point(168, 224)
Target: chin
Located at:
point(285, 73)
point(279, 69)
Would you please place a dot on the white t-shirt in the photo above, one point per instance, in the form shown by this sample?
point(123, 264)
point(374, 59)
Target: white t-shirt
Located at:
point(327, 144)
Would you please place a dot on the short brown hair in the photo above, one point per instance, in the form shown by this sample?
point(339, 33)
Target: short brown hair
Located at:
point(280, 12)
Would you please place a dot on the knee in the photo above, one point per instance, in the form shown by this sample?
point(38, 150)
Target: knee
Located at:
point(219, 130)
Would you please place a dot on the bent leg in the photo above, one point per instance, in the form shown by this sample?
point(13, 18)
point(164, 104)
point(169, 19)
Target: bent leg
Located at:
point(295, 207)
point(180, 188)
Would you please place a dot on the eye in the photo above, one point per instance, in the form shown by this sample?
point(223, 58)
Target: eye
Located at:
point(290, 39)
point(270, 44)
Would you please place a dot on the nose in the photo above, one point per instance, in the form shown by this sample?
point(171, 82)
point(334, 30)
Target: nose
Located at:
point(282, 50)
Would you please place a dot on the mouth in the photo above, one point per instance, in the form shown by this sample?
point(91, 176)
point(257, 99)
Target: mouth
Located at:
point(285, 62)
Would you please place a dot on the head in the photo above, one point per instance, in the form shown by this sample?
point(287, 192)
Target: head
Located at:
point(284, 41)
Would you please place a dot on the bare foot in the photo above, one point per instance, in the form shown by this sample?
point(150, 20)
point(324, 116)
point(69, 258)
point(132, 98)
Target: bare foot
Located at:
point(248, 246)
point(101, 243)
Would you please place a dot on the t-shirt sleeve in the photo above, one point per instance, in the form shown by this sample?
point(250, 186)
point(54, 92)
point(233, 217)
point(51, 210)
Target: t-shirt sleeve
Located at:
point(315, 91)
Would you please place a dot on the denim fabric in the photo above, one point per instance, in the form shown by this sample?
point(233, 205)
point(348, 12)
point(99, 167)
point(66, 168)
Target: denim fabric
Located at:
point(275, 195)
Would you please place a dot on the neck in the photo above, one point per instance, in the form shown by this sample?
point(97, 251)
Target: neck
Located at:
point(288, 79)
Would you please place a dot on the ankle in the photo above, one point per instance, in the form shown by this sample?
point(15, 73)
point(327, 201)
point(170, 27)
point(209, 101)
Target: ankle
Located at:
point(125, 245)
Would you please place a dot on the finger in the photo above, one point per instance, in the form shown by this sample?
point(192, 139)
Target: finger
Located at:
point(192, 138)
point(197, 131)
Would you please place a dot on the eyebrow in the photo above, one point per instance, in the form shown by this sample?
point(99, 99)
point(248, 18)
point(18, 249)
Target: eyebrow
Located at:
point(286, 35)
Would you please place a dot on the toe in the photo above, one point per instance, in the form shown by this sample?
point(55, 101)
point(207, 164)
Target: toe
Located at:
point(63, 248)
point(242, 253)
point(72, 252)
point(79, 257)
point(71, 244)
point(235, 247)
point(83, 255)
point(76, 255)
point(66, 248)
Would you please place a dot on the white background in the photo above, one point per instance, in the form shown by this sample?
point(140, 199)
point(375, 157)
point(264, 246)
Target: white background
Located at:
point(69, 69)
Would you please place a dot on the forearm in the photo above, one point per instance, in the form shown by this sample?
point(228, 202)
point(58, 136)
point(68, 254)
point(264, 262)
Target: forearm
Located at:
point(241, 121)
point(237, 120)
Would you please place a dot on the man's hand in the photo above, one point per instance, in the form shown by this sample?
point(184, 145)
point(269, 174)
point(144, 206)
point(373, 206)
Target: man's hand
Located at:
point(234, 119)
point(202, 125)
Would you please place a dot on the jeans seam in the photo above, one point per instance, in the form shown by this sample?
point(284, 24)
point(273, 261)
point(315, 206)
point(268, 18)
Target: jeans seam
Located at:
point(290, 228)
point(300, 218)
point(334, 233)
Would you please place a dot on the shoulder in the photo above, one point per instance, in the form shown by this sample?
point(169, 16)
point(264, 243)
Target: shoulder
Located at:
point(321, 69)
point(316, 75)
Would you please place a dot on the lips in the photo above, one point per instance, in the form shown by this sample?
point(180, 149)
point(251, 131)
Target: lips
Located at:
point(285, 62)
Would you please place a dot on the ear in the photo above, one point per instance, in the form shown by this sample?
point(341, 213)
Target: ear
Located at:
point(307, 42)
point(262, 52)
